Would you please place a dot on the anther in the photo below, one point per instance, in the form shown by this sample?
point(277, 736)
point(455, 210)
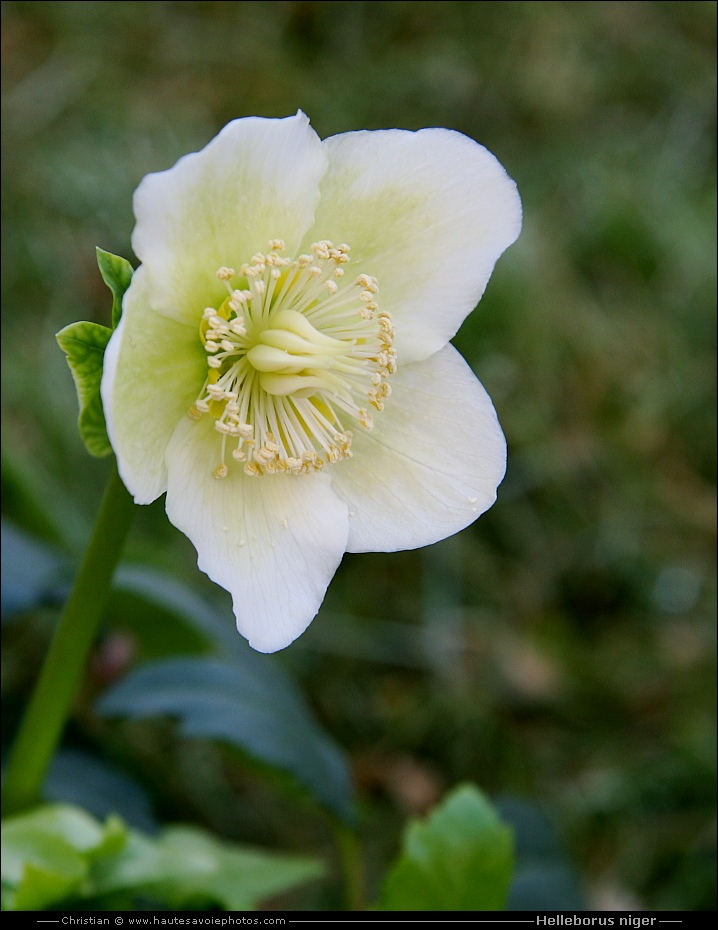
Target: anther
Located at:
point(368, 283)
point(298, 350)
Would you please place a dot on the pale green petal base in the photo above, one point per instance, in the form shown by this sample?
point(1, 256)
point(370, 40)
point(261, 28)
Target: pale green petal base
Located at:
point(428, 213)
point(154, 369)
point(255, 181)
point(432, 463)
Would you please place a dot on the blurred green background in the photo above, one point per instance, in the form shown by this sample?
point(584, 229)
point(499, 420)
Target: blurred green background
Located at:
point(561, 649)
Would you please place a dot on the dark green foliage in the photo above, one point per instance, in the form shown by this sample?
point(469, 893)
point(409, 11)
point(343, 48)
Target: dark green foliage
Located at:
point(248, 703)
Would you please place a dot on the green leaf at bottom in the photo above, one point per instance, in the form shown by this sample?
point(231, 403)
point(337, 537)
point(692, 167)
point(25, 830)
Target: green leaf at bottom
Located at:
point(58, 854)
point(459, 859)
point(187, 866)
point(46, 854)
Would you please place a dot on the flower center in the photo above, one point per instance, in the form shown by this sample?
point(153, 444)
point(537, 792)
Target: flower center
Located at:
point(293, 352)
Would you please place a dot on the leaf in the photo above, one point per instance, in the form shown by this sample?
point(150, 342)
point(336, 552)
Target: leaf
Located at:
point(166, 617)
point(543, 878)
point(187, 866)
point(459, 859)
point(77, 777)
point(60, 854)
point(67, 822)
point(84, 344)
point(31, 572)
point(48, 870)
point(46, 853)
point(35, 498)
point(247, 702)
point(116, 273)
point(549, 887)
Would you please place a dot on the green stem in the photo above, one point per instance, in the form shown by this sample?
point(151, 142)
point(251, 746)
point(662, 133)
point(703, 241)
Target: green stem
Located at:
point(61, 674)
point(350, 856)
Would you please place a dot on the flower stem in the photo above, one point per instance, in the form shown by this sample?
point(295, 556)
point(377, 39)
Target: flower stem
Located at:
point(349, 847)
point(61, 674)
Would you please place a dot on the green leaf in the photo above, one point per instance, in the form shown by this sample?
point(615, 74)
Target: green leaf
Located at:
point(58, 854)
point(77, 777)
point(116, 273)
point(85, 344)
point(459, 859)
point(165, 617)
point(35, 497)
point(49, 870)
point(31, 571)
point(247, 702)
point(543, 878)
point(187, 866)
point(46, 854)
point(71, 824)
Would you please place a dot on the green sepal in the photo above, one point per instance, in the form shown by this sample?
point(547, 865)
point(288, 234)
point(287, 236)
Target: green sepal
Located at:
point(85, 344)
point(116, 273)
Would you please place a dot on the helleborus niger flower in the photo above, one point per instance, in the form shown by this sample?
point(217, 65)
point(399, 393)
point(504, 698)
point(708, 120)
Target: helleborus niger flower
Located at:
point(282, 367)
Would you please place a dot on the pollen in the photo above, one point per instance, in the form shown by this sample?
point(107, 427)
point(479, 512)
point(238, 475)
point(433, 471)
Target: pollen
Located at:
point(297, 352)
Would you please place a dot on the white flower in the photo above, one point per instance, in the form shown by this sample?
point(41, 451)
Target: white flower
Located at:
point(282, 368)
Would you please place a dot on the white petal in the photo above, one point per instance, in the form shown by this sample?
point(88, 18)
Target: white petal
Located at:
point(428, 213)
point(153, 371)
point(273, 542)
point(432, 463)
point(256, 181)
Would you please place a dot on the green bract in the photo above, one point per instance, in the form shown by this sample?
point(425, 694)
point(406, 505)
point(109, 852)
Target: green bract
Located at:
point(85, 344)
point(116, 273)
